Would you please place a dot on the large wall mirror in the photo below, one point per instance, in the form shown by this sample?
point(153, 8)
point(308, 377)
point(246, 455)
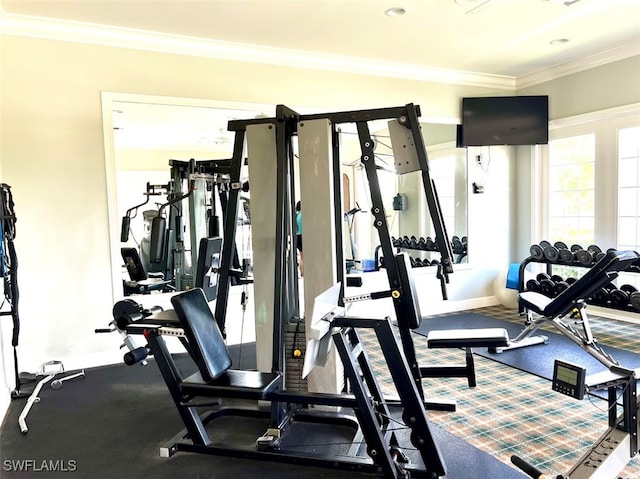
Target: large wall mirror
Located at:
point(448, 168)
point(144, 136)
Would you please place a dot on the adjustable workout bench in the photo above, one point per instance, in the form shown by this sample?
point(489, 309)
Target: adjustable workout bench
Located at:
point(572, 302)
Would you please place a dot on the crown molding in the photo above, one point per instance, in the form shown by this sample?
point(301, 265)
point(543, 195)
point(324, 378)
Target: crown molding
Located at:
point(104, 35)
point(576, 66)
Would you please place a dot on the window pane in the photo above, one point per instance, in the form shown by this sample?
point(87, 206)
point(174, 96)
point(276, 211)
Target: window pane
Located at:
point(628, 188)
point(571, 189)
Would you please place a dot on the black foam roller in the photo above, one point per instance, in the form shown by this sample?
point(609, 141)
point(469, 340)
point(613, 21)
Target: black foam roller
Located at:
point(135, 356)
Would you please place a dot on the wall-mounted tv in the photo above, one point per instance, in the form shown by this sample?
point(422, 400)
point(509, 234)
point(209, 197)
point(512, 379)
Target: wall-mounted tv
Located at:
point(505, 120)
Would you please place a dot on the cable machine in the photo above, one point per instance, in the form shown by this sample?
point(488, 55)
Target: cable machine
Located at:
point(196, 196)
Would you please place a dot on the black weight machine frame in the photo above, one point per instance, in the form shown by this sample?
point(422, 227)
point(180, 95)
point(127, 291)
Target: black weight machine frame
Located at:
point(286, 123)
point(167, 242)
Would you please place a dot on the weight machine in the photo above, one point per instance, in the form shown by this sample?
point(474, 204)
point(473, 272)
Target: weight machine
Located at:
point(196, 194)
point(375, 445)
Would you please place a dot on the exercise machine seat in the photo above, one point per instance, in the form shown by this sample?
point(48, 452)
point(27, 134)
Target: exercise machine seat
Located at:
point(468, 338)
point(141, 281)
point(214, 376)
point(600, 274)
point(232, 383)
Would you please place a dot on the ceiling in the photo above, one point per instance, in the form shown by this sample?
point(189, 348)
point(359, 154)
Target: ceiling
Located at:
point(507, 43)
point(509, 38)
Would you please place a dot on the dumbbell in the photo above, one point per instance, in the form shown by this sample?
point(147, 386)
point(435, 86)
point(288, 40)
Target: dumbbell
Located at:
point(533, 285)
point(621, 297)
point(413, 241)
point(406, 242)
point(422, 244)
point(564, 253)
point(394, 241)
point(634, 298)
point(586, 257)
point(551, 253)
point(456, 245)
point(603, 295)
point(431, 245)
point(537, 252)
point(560, 284)
point(547, 285)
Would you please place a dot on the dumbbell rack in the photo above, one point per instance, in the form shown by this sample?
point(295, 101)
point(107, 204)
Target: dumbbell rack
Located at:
point(577, 264)
point(428, 245)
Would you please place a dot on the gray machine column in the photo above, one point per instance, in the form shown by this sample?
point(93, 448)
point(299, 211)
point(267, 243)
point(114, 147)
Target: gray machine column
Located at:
point(261, 149)
point(318, 234)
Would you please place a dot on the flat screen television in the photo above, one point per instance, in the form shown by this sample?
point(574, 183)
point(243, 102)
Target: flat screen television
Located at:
point(505, 120)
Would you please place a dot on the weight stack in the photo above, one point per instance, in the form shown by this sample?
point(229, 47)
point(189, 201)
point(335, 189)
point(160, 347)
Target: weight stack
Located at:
point(293, 365)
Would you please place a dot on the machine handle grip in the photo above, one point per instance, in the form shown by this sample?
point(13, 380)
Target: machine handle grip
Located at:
point(158, 231)
point(124, 232)
point(527, 468)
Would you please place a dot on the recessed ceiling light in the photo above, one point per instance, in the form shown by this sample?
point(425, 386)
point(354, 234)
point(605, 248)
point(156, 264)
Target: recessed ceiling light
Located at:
point(395, 12)
point(559, 41)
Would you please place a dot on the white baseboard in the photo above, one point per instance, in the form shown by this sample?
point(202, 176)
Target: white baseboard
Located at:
point(448, 306)
point(611, 313)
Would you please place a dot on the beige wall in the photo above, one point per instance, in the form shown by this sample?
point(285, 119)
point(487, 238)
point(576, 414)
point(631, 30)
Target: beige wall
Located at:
point(53, 157)
point(52, 154)
point(599, 88)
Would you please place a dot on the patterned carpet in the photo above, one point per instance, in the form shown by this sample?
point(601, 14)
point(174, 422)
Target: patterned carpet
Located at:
point(513, 412)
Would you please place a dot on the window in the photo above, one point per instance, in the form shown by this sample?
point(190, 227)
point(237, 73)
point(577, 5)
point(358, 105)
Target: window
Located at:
point(572, 189)
point(593, 184)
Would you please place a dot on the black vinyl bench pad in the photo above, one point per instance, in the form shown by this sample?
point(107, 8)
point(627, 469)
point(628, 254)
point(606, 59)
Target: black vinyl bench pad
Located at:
point(468, 338)
point(534, 301)
point(233, 383)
